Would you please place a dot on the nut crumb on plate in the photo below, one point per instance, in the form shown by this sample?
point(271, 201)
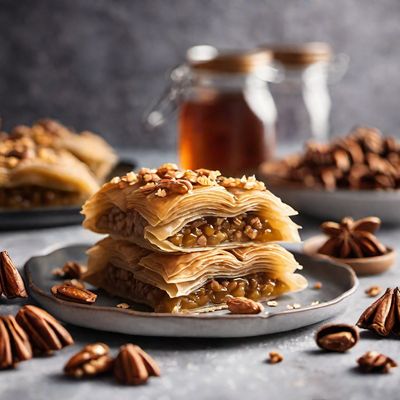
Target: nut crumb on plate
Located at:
point(272, 303)
point(317, 285)
point(123, 305)
point(275, 357)
point(373, 291)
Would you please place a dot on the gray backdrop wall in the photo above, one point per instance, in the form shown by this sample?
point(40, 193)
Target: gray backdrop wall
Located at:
point(97, 64)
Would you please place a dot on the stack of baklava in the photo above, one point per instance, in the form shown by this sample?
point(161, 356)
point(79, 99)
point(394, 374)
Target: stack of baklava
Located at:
point(183, 241)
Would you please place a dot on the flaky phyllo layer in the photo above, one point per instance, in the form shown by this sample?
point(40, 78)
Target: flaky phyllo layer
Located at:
point(196, 281)
point(174, 210)
point(33, 175)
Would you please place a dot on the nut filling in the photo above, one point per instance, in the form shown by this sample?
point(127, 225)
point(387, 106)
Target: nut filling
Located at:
point(257, 286)
point(36, 196)
point(211, 231)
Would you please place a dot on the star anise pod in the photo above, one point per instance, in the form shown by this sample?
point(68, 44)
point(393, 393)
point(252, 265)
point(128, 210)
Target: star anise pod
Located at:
point(383, 316)
point(133, 366)
point(11, 282)
point(45, 332)
point(14, 343)
point(92, 360)
point(352, 239)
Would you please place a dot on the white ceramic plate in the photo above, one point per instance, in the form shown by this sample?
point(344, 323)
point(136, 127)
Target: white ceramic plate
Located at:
point(342, 203)
point(339, 283)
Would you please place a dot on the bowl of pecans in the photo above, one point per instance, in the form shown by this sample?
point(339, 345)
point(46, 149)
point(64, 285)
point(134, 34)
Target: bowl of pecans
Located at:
point(357, 175)
point(353, 243)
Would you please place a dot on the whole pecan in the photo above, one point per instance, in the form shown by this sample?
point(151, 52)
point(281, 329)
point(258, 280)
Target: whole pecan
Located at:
point(46, 334)
point(70, 270)
point(93, 359)
point(133, 366)
point(352, 239)
point(372, 361)
point(337, 337)
point(11, 282)
point(243, 305)
point(14, 343)
point(383, 315)
point(73, 293)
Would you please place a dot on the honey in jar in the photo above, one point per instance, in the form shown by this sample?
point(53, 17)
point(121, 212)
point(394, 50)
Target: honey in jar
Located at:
point(227, 115)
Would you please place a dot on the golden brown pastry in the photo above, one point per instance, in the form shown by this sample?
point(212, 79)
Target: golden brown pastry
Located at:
point(192, 282)
point(88, 147)
point(36, 176)
point(171, 210)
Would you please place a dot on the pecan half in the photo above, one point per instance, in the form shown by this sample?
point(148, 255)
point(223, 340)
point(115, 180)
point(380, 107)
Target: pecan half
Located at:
point(70, 270)
point(73, 293)
point(372, 361)
point(337, 337)
point(92, 360)
point(14, 343)
point(46, 334)
point(383, 316)
point(243, 305)
point(11, 282)
point(133, 366)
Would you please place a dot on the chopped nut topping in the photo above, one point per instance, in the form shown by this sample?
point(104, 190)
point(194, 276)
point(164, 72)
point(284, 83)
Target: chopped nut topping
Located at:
point(373, 291)
point(372, 361)
point(293, 306)
point(175, 181)
point(274, 357)
point(272, 303)
point(315, 303)
point(75, 282)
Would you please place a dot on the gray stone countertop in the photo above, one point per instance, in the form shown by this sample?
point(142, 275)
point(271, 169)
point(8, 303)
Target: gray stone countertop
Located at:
point(207, 368)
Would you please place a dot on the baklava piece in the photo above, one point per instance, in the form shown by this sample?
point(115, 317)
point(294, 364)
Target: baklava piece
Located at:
point(172, 210)
point(35, 176)
point(192, 282)
point(88, 147)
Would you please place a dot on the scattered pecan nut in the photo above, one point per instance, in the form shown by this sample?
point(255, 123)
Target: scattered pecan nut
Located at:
point(73, 293)
point(11, 282)
point(274, 357)
point(373, 291)
point(352, 239)
point(70, 270)
point(383, 316)
point(46, 334)
point(92, 360)
point(337, 337)
point(372, 361)
point(14, 343)
point(243, 305)
point(133, 366)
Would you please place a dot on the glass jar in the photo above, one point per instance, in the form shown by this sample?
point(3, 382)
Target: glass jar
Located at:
point(302, 96)
point(226, 114)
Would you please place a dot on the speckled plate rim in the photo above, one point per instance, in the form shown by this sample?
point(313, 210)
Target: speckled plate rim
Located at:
point(267, 315)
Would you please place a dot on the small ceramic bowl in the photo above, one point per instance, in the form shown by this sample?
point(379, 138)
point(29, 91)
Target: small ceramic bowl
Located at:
point(361, 266)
